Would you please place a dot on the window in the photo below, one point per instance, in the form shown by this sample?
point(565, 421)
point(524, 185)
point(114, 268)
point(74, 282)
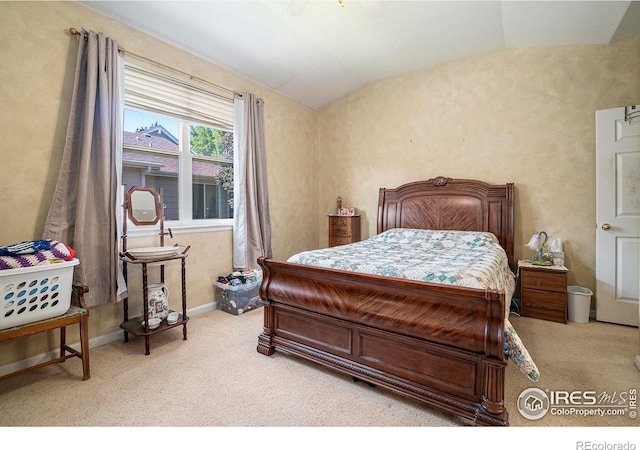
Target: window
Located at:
point(178, 139)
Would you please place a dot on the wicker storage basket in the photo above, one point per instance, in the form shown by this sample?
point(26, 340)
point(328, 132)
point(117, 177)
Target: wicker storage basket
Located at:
point(35, 293)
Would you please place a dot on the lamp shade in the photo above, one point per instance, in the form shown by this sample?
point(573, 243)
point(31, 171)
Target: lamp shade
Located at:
point(534, 242)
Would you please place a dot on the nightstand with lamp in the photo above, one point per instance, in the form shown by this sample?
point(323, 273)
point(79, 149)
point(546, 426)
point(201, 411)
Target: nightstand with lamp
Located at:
point(543, 280)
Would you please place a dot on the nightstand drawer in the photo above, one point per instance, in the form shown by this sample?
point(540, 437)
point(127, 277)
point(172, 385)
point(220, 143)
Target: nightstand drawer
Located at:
point(549, 281)
point(547, 314)
point(339, 224)
point(340, 233)
point(333, 241)
point(543, 299)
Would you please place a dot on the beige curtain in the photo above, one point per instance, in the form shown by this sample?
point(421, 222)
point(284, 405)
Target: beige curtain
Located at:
point(252, 222)
point(82, 214)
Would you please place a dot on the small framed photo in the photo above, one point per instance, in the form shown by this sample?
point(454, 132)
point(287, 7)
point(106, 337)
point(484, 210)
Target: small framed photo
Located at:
point(347, 211)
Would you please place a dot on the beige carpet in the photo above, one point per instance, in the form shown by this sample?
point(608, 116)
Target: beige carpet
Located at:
point(577, 357)
point(217, 379)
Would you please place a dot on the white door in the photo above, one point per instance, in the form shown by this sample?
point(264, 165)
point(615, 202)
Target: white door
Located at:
point(618, 215)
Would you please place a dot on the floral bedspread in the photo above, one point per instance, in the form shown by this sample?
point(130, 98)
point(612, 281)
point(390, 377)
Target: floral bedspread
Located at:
point(460, 258)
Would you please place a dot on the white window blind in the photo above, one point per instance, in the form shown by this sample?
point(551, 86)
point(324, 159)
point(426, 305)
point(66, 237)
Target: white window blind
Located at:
point(179, 97)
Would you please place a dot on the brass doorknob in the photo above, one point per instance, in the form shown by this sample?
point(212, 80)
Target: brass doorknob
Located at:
point(606, 226)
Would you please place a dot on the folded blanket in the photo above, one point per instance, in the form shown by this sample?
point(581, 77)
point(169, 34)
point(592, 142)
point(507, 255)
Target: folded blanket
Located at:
point(33, 253)
point(25, 248)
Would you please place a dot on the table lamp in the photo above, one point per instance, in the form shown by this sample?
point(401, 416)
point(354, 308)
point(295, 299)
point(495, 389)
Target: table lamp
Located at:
point(540, 246)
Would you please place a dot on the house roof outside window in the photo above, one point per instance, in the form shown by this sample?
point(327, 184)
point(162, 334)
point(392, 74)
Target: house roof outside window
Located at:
point(158, 138)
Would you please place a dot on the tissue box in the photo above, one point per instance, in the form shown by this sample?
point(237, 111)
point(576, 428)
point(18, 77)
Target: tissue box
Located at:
point(558, 258)
point(238, 299)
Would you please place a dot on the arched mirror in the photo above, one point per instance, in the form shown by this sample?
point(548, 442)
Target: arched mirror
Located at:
point(143, 205)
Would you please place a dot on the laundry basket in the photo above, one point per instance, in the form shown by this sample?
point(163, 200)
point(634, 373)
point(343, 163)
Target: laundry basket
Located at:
point(579, 303)
point(29, 294)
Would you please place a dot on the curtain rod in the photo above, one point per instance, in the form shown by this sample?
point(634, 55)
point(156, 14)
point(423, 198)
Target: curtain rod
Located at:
point(76, 32)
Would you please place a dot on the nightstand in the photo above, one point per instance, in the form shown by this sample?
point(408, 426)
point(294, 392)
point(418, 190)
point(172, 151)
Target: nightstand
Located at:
point(543, 292)
point(343, 229)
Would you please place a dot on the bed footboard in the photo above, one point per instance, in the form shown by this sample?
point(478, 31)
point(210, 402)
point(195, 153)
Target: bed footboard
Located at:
point(441, 345)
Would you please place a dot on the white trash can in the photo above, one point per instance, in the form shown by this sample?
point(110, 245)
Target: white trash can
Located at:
point(579, 303)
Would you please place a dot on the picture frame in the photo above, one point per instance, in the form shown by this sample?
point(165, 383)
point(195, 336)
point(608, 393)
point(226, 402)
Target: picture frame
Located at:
point(349, 211)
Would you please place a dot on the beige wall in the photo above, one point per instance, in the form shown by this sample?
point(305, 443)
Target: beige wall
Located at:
point(519, 115)
point(524, 116)
point(36, 75)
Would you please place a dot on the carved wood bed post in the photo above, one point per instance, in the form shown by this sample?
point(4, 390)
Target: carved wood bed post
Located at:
point(493, 376)
point(510, 225)
point(494, 412)
point(265, 339)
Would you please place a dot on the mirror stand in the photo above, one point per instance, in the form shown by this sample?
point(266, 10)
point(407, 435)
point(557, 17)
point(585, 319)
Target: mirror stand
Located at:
point(143, 206)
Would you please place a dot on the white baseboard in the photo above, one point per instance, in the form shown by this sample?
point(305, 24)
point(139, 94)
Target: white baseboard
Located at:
point(93, 343)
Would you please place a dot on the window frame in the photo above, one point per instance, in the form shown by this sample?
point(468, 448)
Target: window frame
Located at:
point(186, 223)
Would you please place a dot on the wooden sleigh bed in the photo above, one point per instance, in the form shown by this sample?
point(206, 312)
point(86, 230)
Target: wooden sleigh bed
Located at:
point(439, 344)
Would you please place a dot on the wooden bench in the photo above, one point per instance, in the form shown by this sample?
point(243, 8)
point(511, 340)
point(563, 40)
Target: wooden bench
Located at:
point(77, 313)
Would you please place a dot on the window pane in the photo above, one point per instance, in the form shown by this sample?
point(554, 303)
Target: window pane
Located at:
point(150, 156)
point(212, 172)
point(212, 197)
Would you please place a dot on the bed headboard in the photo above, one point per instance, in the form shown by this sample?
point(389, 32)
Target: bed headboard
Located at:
point(446, 204)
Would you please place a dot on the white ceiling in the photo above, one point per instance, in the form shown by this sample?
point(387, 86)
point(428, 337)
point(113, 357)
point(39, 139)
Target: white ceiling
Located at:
point(316, 52)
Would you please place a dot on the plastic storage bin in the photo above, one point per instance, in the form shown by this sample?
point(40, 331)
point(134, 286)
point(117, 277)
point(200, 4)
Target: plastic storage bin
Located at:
point(238, 299)
point(579, 303)
point(29, 294)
